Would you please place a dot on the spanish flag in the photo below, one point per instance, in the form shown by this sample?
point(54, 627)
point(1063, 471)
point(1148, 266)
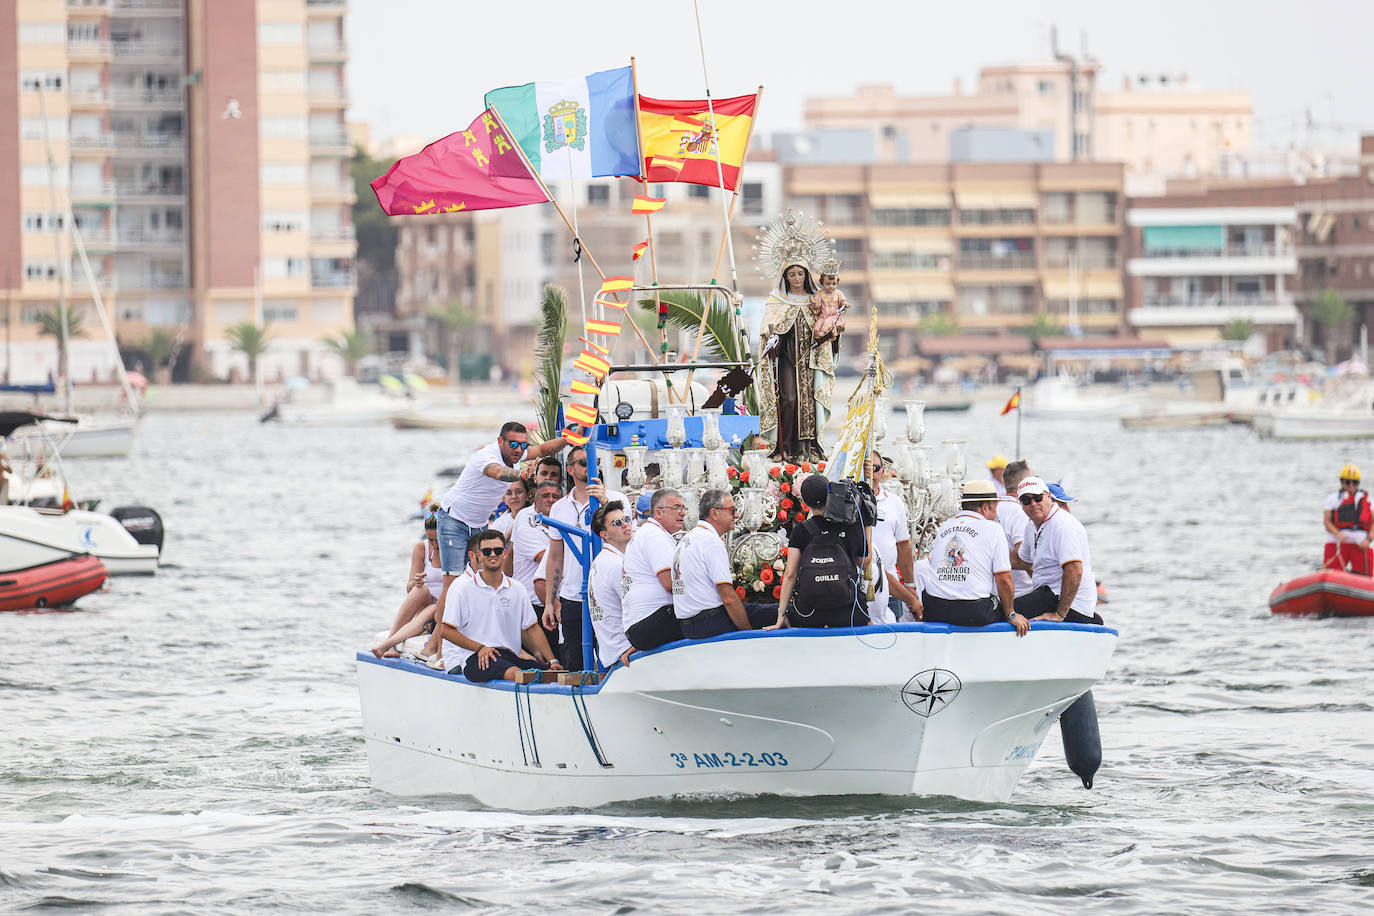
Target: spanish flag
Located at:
point(680, 129)
point(646, 205)
point(581, 414)
point(639, 250)
point(612, 304)
point(592, 364)
point(1012, 403)
point(595, 346)
point(663, 162)
point(575, 438)
point(617, 284)
point(581, 387)
point(609, 328)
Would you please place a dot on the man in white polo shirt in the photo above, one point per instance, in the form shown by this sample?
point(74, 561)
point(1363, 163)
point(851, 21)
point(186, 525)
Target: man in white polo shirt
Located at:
point(704, 596)
point(1056, 554)
point(1014, 521)
point(613, 526)
point(565, 572)
point(488, 617)
point(647, 594)
point(971, 585)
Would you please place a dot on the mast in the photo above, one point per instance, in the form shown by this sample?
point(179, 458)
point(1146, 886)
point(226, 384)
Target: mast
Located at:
point(720, 169)
point(63, 259)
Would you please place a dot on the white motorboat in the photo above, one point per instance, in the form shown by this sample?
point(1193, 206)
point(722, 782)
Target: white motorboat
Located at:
point(29, 537)
point(1295, 411)
point(910, 709)
point(91, 438)
point(1059, 397)
point(344, 403)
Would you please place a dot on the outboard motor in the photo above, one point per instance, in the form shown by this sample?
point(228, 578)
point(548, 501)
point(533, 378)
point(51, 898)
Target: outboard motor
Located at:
point(1082, 740)
point(143, 523)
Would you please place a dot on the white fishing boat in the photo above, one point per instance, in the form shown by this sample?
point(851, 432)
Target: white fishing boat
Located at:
point(1059, 397)
point(910, 709)
point(1294, 411)
point(90, 438)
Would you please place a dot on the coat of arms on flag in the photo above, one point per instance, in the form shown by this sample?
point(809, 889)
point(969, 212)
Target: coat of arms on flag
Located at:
point(565, 125)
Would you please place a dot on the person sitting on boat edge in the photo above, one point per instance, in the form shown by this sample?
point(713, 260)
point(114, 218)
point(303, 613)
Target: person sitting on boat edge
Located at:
point(423, 585)
point(1014, 522)
point(972, 582)
point(648, 590)
point(1057, 556)
point(488, 618)
point(565, 571)
point(892, 545)
point(468, 504)
point(613, 526)
point(529, 550)
point(810, 594)
point(1346, 518)
point(704, 597)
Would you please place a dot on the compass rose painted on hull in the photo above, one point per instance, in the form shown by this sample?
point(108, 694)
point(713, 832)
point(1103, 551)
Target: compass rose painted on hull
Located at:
point(931, 691)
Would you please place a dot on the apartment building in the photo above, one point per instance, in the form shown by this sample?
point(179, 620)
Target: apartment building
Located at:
point(200, 149)
point(496, 264)
point(991, 245)
point(1154, 124)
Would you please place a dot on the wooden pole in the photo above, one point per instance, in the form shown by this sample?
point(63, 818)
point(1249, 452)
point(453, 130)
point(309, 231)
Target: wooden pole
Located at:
point(649, 227)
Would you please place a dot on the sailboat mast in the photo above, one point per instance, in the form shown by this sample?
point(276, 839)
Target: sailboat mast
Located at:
point(63, 259)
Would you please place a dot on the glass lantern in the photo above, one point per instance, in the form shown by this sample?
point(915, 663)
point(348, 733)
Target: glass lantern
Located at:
point(695, 470)
point(636, 474)
point(954, 461)
point(691, 498)
point(879, 421)
point(676, 434)
point(672, 469)
point(710, 429)
point(756, 464)
point(718, 467)
point(915, 420)
point(922, 468)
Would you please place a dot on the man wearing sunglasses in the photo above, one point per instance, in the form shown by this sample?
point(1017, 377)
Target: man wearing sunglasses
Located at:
point(565, 572)
point(704, 596)
point(488, 617)
point(612, 525)
point(1346, 518)
point(1055, 552)
point(467, 506)
point(647, 594)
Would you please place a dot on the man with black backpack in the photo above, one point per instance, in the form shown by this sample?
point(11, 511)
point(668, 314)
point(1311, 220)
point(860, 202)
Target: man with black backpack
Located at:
point(821, 586)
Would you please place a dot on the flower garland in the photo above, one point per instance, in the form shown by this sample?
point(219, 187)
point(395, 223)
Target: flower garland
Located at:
point(761, 580)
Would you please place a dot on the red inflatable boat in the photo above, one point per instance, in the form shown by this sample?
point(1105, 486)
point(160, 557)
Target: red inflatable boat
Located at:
point(52, 584)
point(1325, 593)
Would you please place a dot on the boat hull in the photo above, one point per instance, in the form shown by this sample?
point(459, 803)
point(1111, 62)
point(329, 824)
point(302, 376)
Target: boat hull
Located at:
point(1291, 425)
point(1325, 593)
point(89, 440)
point(55, 584)
point(30, 538)
point(914, 709)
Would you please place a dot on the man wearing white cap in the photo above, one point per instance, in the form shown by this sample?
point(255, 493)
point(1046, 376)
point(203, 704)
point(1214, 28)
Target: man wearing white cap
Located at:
point(1056, 554)
point(971, 586)
point(997, 465)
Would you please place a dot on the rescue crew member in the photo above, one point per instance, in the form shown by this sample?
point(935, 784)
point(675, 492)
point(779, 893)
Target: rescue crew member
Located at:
point(972, 582)
point(1346, 517)
point(1056, 554)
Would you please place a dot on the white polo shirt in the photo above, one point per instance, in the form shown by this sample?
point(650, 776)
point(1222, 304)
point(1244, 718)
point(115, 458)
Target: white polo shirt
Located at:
point(892, 529)
point(603, 594)
point(967, 550)
point(1014, 522)
point(491, 616)
point(1061, 539)
point(571, 512)
point(530, 541)
point(699, 565)
point(474, 495)
point(649, 552)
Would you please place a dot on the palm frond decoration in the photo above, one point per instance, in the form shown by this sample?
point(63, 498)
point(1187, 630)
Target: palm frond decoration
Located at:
point(548, 359)
point(719, 340)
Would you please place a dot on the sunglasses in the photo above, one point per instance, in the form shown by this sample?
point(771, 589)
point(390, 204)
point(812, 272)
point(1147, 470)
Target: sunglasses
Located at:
point(618, 523)
point(1353, 483)
point(518, 446)
point(580, 463)
point(493, 551)
point(680, 508)
point(731, 509)
point(1031, 498)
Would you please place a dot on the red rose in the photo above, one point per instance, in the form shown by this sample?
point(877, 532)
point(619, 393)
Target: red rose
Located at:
point(766, 575)
point(786, 504)
point(782, 515)
point(732, 472)
point(806, 466)
point(785, 487)
point(777, 592)
point(801, 516)
point(775, 472)
point(791, 469)
point(739, 590)
point(744, 476)
point(821, 466)
point(783, 552)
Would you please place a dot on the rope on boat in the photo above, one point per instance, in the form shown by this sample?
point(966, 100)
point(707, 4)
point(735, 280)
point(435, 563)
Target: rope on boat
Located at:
point(584, 716)
point(521, 723)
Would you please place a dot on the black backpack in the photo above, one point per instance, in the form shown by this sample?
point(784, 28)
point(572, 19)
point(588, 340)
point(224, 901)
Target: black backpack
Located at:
point(826, 576)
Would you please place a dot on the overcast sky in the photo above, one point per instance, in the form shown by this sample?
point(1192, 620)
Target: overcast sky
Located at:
point(422, 66)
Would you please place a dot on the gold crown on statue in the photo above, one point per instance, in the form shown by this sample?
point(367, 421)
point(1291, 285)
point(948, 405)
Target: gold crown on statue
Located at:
point(791, 239)
point(830, 267)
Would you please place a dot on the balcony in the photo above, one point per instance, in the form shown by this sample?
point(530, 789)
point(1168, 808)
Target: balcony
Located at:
point(93, 193)
point(154, 281)
point(1071, 219)
point(128, 189)
point(151, 142)
point(88, 49)
point(333, 234)
point(88, 96)
point(335, 279)
point(1266, 309)
point(140, 50)
point(333, 97)
point(131, 97)
point(1086, 261)
point(330, 144)
point(1267, 258)
point(325, 7)
point(1018, 261)
point(92, 144)
point(333, 192)
point(95, 6)
point(322, 49)
point(140, 238)
point(145, 7)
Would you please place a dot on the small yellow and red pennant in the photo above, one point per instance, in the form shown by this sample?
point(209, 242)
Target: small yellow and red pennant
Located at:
point(581, 387)
point(1012, 403)
point(612, 304)
point(617, 284)
point(644, 205)
point(581, 414)
point(665, 162)
point(574, 437)
point(638, 250)
point(609, 328)
point(592, 364)
point(604, 351)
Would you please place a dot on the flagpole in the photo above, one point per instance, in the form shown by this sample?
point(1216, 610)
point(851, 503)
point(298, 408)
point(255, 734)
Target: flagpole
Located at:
point(649, 225)
point(720, 255)
point(715, 135)
point(1018, 422)
point(545, 188)
point(577, 238)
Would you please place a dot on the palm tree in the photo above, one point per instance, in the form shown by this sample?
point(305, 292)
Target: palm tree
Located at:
point(550, 333)
point(1238, 329)
point(160, 346)
point(1041, 326)
point(1331, 310)
point(50, 325)
point(939, 324)
point(719, 339)
point(350, 346)
point(456, 318)
point(250, 340)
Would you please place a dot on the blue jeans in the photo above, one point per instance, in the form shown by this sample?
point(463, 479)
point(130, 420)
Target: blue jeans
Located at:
point(453, 544)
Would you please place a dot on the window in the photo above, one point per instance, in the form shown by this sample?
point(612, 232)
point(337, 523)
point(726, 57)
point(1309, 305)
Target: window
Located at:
point(285, 267)
point(78, 32)
point(39, 79)
point(280, 311)
point(284, 221)
point(32, 314)
point(40, 270)
point(286, 127)
point(751, 193)
point(281, 33)
point(909, 260)
point(911, 217)
point(283, 173)
point(698, 191)
point(1045, 87)
point(38, 221)
point(997, 217)
point(282, 80)
point(43, 33)
point(598, 194)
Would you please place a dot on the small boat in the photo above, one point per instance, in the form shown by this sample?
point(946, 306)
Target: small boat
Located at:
point(1294, 411)
point(55, 584)
point(1057, 397)
point(30, 537)
point(91, 438)
point(1325, 593)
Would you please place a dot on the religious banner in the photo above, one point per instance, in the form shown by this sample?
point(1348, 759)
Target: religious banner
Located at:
point(574, 128)
point(680, 130)
point(474, 169)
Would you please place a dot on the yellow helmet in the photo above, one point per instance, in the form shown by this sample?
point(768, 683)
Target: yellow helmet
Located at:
point(1350, 472)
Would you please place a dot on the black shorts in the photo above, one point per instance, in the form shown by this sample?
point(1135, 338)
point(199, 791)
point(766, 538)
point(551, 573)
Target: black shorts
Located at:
point(658, 629)
point(1043, 601)
point(961, 612)
point(504, 661)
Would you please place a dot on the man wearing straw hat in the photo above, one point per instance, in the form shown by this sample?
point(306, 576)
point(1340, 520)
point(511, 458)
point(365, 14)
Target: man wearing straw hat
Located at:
point(971, 585)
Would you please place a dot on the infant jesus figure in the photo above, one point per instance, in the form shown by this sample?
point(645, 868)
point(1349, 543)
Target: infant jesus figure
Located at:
point(830, 307)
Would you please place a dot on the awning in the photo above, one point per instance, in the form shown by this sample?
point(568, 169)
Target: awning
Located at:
point(912, 199)
point(993, 199)
point(1184, 238)
point(1090, 286)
